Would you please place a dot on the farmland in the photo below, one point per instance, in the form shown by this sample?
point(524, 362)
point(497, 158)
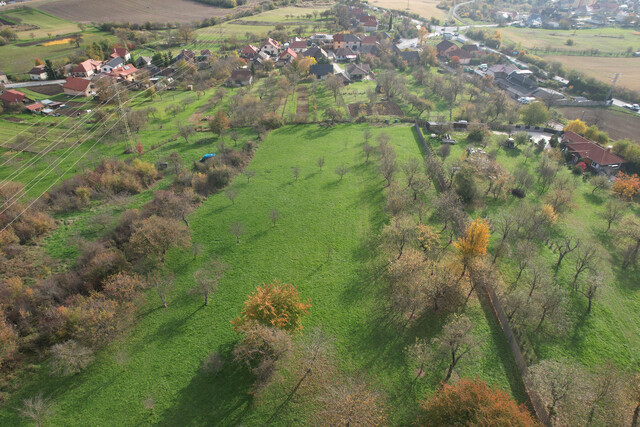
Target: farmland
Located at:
point(135, 11)
point(424, 8)
point(603, 68)
point(33, 24)
point(605, 40)
point(619, 125)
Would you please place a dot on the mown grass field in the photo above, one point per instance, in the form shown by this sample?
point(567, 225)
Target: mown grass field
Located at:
point(317, 211)
point(47, 24)
point(16, 59)
point(611, 331)
point(606, 40)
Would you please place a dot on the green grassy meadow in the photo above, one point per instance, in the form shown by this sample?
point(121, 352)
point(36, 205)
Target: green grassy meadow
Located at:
point(317, 211)
point(46, 24)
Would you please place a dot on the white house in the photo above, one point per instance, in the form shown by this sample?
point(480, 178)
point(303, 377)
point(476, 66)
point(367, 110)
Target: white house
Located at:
point(38, 73)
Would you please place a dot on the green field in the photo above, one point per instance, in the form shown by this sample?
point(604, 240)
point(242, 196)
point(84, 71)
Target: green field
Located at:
point(611, 331)
point(316, 212)
point(606, 40)
point(47, 25)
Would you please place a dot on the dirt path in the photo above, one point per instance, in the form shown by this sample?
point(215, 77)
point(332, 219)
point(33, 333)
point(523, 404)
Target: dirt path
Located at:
point(302, 108)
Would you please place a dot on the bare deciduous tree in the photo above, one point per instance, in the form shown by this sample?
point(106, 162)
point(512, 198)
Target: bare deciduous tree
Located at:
point(341, 171)
point(274, 215)
point(162, 284)
point(70, 357)
point(237, 229)
point(249, 174)
point(231, 195)
point(456, 341)
point(213, 363)
point(37, 409)
point(207, 279)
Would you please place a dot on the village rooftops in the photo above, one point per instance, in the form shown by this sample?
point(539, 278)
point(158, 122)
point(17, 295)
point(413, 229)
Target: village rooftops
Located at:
point(345, 37)
point(76, 84)
point(592, 151)
point(11, 96)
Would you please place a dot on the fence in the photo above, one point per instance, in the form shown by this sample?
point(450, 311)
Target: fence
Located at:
point(569, 103)
point(534, 399)
point(429, 152)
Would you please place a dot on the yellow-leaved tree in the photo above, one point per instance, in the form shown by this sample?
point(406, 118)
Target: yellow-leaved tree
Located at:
point(473, 243)
point(577, 126)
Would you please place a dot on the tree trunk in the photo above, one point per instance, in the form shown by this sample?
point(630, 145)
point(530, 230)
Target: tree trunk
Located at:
point(636, 416)
point(590, 297)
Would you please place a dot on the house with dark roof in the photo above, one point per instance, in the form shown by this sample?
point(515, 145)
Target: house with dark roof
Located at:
point(112, 64)
point(316, 53)
point(240, 77)
point(368, 40)
point(260, 58)
point(12, 96)
point(500, 71)
point(366, 49)
point(463, 56)
point(78, 86)
point(321, 71)
point(3, 78)
point(205, 52)
point(445, 46)
point(411, 56)
point(345, 54)
point(187, 55)
point(38, 73)
point(142, 61)
point(598, 158)
point(346, 40)
point(358, 71)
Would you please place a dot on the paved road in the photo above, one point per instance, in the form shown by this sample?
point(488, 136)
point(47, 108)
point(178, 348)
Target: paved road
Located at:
point(34, 84)
point(454, 10)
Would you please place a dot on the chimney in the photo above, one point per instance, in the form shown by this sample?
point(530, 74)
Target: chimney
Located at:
point(608, 148)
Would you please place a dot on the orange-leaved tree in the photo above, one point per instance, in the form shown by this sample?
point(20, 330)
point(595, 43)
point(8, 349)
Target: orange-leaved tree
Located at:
point(473, 402)
point(626, 186)
point(473, 243)
point(275, 304)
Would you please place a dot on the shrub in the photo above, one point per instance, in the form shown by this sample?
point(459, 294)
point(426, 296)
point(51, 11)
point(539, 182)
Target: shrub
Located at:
point(70, 358)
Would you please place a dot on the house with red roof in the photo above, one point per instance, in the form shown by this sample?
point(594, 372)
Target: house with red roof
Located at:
point(12, 96)
point(368, 22)
point(126, 73)
point(298, 45)
point(286, 57)
point(600, 159)
point(270, 47)
point(78, 86)
point(122, 53)
point(249, 51)
point(34, 108)
point(87, 68)
point(368, 40)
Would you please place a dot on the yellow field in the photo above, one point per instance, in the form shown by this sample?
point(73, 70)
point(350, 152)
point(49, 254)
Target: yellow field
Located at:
point(56, 42)
point(424, 8)
point(603, 68)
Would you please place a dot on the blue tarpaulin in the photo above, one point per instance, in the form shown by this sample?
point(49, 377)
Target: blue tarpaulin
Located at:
point(207, 156)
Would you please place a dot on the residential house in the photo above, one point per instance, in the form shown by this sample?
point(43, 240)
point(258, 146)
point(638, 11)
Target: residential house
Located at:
point(367, 49)
point(570, 137)
point(206, 53)
point(142, 61)
point(518, 84)
point(598, 158)
point(87, 68)
point(369, 23)
point(34, 108)
point(38, 73)
point(345, 54)
point(346, 40)
point(411, 56)
point(127, 73)
point(345, 79)
point(321, 39)
point(547, 95)
point(315, 52)
point(260, 58)
point(500, 71)
point(11, 96)
point(3, 78)
point(240, 77)
point(368, 41)
point(445, 46)
point(270, 47)
point(249, 52)
point(112, 64)
point(286, 57)
point(122, 53)
point(463, 56)
point(358, 71)
point(186, 54)
point(321, 71)
point(78, 86)
point(298, 46)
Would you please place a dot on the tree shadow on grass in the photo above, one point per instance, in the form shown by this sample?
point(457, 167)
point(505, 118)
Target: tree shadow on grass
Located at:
point(221, 400)
point(593, 198)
